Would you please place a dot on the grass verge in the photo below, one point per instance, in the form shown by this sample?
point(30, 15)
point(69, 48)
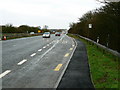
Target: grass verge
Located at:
point(17, 37)
point(103, 66)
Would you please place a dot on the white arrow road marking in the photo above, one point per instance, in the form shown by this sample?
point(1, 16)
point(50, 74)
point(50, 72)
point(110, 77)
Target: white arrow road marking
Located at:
point(21, 62)
point(33, 54)
point(5, 73)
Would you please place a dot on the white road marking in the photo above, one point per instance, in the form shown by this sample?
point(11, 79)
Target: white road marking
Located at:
point(57, 41)
point(40, 50)
point(33, 54)
point(5, 73)
point(46, 52)
point(44, 47)
point(48, 45)
point(14, 45)
point(73, 45)
point(21, 62)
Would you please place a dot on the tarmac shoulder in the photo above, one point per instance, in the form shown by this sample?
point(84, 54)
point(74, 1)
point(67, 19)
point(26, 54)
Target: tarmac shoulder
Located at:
point(77, 74)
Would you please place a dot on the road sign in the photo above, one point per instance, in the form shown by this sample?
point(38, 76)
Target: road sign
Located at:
point(90, 26)
point(39, 31)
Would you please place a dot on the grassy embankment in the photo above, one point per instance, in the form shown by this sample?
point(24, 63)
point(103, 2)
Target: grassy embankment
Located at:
point(103, 66)
point(16, 36)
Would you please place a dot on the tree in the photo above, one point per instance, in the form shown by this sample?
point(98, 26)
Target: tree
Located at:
point(106, 25)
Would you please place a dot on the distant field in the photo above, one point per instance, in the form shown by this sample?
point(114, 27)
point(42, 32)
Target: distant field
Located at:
point(103, 66)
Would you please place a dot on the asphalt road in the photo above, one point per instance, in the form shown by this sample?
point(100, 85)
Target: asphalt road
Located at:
point(35, 62)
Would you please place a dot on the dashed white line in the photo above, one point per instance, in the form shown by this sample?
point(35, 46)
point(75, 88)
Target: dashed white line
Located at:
point(33, 54)
point(40, 50)
point(21, 62)
point(44, 47)
point(48, 45)
point(5, 73)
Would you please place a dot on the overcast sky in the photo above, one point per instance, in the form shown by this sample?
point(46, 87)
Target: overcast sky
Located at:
point(54, 13)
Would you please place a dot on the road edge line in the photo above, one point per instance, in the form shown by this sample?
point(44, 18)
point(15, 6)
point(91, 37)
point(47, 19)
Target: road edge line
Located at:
point(60, 77)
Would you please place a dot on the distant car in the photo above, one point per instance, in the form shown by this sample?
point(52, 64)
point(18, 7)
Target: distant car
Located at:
point(32, 33)
point(46, 35)
point(57, 34)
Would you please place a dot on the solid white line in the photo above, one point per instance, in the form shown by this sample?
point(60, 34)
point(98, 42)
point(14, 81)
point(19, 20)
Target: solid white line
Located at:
point(40, 50)
point(33, 54)
point(21, 62)
point(5, 73)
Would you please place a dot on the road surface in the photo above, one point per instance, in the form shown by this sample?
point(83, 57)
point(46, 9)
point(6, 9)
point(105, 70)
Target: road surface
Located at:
point(35, 62)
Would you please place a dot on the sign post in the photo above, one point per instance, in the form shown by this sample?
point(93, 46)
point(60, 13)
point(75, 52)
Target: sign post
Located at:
point(39, 31)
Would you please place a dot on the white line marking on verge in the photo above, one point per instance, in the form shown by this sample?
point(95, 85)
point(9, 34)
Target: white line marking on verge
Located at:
point(5, 73)
point(21, 62)
point(40, 50)
point(33, 54)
